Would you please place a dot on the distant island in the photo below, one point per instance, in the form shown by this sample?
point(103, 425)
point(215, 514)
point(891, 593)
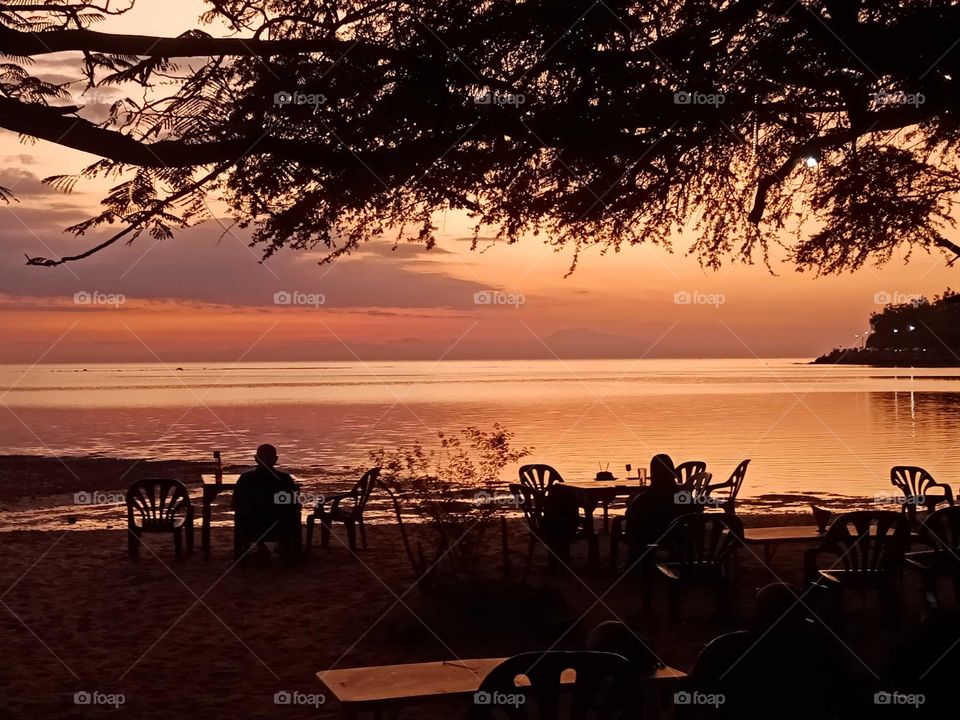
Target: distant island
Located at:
point(920, 332)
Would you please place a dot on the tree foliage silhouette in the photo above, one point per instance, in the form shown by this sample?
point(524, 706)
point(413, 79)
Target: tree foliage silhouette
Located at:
point(827, 127)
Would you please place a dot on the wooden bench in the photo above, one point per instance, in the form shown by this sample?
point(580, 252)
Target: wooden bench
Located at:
point(773, 537)
point(378, 688)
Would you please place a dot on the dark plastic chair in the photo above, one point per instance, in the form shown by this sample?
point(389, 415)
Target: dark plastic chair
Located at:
point(351, 516)
point(535, 480)
point(542, 530)
point(532, 506)
point(687, 470)
point(867, 548)
point(915, 484)
point(539, 478)
point(602, 689)
point(159, 506)
point(940, 532)
point(699, 548)
point(726, 499)
point(688, 494)
point(696, 492)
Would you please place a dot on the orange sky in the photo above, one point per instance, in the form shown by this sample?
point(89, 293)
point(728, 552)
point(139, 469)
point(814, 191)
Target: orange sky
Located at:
point(201, 298)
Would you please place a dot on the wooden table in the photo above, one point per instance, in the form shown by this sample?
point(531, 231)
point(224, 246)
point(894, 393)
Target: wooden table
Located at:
point(378, 688)
point(772, 538)
point(212, 488)
point(592, 493)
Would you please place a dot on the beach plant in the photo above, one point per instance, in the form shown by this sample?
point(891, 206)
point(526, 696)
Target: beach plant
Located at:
point(453, 493)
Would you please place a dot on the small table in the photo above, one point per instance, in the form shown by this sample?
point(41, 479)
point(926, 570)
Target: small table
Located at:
point(591, 493)
point(377, 688)
point(212, 488)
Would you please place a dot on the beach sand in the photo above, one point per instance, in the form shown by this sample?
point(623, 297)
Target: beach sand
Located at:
point(208, 638)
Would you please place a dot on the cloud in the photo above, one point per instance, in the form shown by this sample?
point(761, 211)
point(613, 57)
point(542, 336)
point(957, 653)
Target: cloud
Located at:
point(197, 266)
point(399, 251)
point(22, 158)
point(23, 183)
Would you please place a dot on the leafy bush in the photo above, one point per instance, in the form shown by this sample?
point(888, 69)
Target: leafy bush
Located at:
point(454, 490)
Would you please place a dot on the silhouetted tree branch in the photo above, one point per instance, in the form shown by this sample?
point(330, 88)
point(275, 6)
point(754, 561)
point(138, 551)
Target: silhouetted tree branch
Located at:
point(829, 128)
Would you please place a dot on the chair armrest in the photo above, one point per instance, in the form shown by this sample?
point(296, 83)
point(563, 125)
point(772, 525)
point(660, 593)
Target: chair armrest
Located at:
point(667, 572)
point(810, 556)
point(947, 491)
point(334, 501)
point(926, 539)
point(717, 486)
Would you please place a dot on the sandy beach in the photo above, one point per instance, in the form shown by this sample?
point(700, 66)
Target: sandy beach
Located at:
point(211, 638)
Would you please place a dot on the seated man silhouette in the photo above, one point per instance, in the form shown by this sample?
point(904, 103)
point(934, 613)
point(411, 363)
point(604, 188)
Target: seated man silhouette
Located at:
point(266, 508)
point(616, 637)
point(784, 665)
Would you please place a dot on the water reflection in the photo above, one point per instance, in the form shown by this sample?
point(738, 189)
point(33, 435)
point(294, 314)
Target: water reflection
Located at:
point(809, 429)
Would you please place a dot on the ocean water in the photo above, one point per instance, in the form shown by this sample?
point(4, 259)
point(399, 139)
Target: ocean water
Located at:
point(807, 428)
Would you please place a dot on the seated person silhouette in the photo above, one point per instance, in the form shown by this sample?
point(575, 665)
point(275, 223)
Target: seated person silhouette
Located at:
point(924, 670)
point(616, 637)
point(266, 508)
point(783, 665)
point(562, 525)
point(653, 510)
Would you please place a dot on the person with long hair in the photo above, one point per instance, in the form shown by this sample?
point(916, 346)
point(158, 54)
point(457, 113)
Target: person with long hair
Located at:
point(654, 509)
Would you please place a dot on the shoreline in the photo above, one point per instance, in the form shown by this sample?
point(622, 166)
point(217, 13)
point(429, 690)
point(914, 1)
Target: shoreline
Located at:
point(230, 637)
point(871, 357)
point(40, 493)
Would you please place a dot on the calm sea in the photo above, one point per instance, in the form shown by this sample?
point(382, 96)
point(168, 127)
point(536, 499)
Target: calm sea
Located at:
point(807, 428)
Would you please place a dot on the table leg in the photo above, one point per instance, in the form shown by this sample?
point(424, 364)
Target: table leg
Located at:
point(589, 507)
point(505, 546)
point(768, 550)
point(205, 525)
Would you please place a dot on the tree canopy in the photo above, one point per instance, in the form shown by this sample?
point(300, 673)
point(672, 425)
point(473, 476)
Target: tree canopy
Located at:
point(829, 127)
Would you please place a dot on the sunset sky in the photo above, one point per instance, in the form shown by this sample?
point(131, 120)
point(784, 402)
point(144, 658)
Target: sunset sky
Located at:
point(204, 296)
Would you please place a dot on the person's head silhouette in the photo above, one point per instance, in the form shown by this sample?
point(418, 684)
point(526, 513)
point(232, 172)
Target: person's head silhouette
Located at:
point(267, 456)
point(615, 637)
point(662, 472)
point(778, 606)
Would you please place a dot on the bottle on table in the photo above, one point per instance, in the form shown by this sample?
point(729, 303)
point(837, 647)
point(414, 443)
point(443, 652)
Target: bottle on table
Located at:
point(218, 467)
